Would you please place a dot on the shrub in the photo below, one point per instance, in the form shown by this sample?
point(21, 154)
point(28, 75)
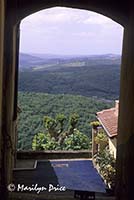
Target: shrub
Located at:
point(76, 141)
point(106, 162)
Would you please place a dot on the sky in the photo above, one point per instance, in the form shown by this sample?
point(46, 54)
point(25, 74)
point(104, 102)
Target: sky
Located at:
point(66, 31)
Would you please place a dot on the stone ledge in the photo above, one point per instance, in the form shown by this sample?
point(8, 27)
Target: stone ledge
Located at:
point(53, 154)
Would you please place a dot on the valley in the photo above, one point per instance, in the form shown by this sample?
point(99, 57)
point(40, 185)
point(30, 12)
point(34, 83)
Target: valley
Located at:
point(51, 85)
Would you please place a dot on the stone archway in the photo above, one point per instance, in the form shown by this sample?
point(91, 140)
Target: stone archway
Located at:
point(11, 14)
point(109, 9)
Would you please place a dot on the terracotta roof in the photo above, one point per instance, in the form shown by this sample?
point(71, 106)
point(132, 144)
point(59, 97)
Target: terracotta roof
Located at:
point(109, 120)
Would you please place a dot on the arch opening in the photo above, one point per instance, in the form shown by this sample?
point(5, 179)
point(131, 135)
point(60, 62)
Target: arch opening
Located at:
point(54, 28)
point(76, 57)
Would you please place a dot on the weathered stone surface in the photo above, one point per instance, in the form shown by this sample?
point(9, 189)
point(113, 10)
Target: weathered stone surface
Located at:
point(53, 154)
point(11, 12)
point(125, 150)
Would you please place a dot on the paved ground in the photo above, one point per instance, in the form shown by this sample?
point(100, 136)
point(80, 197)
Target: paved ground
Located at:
point(69, 196)
point(25, 163)
point(29, 163)
point(73, 174)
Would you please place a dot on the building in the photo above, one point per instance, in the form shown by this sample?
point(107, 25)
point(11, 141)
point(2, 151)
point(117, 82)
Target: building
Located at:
point(109, 121)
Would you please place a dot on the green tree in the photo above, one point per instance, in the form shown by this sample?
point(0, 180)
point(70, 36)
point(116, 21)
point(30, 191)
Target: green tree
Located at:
point(50, 125)
point(60, 118)
point(38, 141)
point(56, 138)
point(76, 141)
point(43, 141)
point(73, 120)
point(102, 140)
point(107, 166)
point(35, 106)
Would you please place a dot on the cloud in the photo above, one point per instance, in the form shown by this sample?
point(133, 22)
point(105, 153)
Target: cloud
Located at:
point(67, 15)
point(69, 27)
point(53, 15)
point(57, 17)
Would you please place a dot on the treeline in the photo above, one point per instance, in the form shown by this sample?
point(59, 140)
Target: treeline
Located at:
point(97, 80)
point(34, 106)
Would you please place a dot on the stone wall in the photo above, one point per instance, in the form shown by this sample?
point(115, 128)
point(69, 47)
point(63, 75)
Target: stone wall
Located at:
point(2, 18)
point(11, 11)
point(53, 154)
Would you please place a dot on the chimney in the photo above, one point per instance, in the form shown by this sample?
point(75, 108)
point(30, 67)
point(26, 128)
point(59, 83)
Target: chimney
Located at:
point(116, 107)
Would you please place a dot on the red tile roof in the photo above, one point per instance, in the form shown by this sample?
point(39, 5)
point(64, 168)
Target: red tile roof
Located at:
point(109, 120)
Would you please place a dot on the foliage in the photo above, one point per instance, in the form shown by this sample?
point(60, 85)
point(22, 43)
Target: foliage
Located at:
point(77, 141)
point(50, 125)
point(61, 119)
point(43, 141)
point(102, 140)
point(106, 163)
point(57, 139)
point(35, 106)
point(94, 78)
point(105, 159)
point(55, 127)
point(38, 140)
point(73, 120)
point(95, 124)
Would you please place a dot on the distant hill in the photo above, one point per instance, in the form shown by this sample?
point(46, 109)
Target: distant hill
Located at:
point(31, 61)
point(40, 62)
point(97, 76)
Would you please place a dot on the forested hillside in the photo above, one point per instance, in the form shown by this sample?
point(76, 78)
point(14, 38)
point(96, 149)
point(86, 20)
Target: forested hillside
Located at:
point(35, 106)
point(100, 81)
point(88, 76)
point(51, 85)
point(31, 62)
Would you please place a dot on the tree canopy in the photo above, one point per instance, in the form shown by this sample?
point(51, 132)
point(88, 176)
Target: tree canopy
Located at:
point(55, 137)
point(34, 106)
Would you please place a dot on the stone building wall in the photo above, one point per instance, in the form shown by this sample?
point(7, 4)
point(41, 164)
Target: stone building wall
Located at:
point(113, 146)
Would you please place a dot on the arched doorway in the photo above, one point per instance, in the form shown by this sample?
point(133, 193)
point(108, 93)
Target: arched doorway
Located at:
point(122, 12)
point(38, 42)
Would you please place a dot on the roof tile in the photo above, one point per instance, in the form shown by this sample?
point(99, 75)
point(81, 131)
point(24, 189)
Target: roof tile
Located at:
point(109, 120)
